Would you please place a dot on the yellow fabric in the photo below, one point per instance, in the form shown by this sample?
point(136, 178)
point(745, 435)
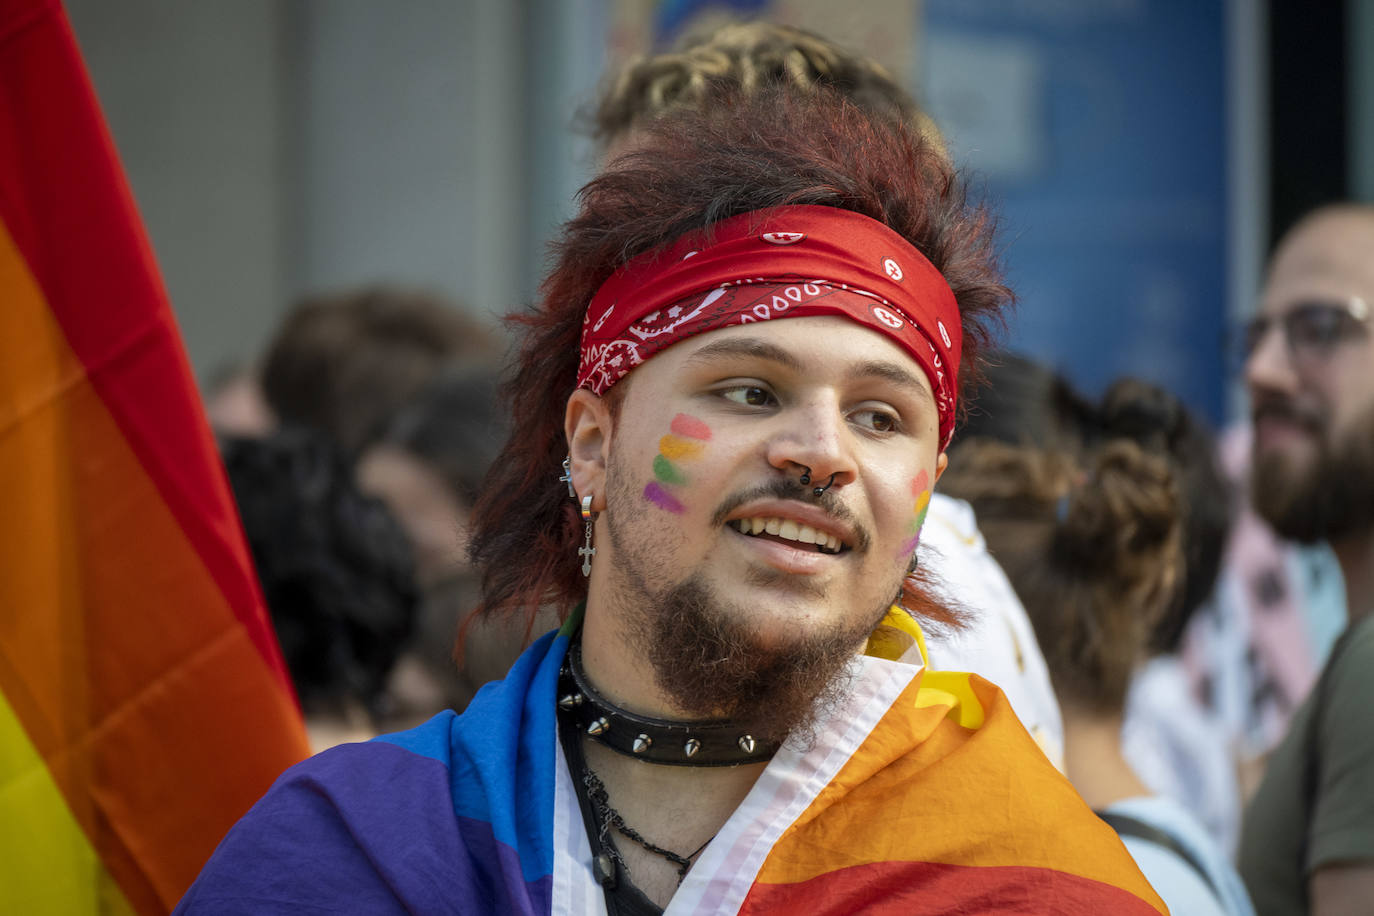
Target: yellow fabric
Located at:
point(43, 850)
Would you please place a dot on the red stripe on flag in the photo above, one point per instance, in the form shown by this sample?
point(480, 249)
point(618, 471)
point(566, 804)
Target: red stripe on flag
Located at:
point(70, 212)
point(899, 888)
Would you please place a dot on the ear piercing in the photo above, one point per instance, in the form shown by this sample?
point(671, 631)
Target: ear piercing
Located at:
point(587, 551)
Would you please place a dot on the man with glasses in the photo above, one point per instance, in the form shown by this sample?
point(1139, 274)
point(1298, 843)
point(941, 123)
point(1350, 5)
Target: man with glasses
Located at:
point(1308, 839)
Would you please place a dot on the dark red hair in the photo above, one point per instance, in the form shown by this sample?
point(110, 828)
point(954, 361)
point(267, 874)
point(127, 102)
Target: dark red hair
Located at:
point(689, 172)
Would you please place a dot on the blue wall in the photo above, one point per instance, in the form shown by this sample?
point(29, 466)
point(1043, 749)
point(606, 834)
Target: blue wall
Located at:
point(1100, 128)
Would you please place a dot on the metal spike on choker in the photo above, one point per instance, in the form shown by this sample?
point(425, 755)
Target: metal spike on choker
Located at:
point(686, 744)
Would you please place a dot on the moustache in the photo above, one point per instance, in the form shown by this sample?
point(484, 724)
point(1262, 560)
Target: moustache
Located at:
point(788, 488)
point(1279, 407)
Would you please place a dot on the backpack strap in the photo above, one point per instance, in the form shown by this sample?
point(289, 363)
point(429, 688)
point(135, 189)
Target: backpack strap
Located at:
point(1127, 826)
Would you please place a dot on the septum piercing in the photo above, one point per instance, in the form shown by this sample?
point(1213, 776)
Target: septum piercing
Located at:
point(818, 491)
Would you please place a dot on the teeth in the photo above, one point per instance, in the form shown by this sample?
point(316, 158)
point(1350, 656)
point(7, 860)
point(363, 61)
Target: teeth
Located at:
point(792, 531)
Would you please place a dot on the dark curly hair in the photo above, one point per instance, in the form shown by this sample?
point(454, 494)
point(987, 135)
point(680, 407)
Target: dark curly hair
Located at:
point(1024, 403)
point(335, 567)
point(735, 155)
point(1090, 543)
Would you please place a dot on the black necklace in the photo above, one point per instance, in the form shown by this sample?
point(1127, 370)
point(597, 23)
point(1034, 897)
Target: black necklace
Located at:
point(699, 744)
point(607, 817)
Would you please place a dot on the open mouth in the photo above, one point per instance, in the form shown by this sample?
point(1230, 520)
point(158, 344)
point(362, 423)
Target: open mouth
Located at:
point(795, 533)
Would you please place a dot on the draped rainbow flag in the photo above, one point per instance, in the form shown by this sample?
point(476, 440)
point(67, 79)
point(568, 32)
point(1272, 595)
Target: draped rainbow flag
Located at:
point(144, 705)
point(922, 793)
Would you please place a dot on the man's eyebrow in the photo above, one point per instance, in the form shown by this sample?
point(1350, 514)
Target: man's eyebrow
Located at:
point(890, 372)
point(753, 347)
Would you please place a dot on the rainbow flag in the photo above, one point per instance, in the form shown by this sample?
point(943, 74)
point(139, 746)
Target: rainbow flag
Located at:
point(921, 794)
point(144, 705)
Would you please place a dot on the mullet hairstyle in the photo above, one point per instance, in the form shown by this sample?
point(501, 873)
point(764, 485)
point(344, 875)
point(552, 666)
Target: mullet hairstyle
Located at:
point(688, 172)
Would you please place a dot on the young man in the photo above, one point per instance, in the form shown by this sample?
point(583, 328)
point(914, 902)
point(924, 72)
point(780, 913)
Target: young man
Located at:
point(729, 409)
point(998, 641)
point(1308, 842)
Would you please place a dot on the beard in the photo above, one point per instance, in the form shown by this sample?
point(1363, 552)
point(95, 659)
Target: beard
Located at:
point(1331, 498)
point(706, 656)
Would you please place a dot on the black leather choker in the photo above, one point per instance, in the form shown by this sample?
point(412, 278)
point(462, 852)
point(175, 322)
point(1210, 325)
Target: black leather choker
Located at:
point(684, 744)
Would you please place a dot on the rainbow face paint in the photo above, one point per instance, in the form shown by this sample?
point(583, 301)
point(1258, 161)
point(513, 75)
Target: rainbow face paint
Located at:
point(920, 491)
point(685, 442)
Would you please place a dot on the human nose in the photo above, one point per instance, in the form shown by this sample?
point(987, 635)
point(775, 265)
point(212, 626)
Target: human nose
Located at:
point(814, 441)
point(1269, 367)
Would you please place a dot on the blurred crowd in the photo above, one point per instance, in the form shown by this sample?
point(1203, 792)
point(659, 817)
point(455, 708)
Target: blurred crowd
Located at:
point(1156, 626)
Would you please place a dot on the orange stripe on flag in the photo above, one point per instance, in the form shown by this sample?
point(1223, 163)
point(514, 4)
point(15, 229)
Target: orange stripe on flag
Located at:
point(923, 788)
point(157, 715)
point(135, 654)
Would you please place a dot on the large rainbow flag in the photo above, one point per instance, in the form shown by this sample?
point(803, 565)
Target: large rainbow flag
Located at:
point(143, 701)
point(921, 794)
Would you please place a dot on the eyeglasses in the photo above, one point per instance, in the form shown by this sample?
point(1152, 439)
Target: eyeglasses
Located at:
point(1312, 330)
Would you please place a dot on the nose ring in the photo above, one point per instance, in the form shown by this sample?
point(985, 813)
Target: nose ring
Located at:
point(806, 479)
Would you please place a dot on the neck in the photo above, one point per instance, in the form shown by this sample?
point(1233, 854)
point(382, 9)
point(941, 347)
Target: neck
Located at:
point(1093, 760)
point(617, 668)
point(1356, 556)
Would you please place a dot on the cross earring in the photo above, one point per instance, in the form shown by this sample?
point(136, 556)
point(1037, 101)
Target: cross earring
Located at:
point(587, 551)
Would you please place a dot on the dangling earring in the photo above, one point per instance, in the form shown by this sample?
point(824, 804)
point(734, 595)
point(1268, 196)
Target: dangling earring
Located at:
point(587, 551)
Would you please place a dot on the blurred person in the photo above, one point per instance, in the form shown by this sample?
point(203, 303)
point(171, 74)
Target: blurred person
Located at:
point(1308, 838)
point(428, 467)
point(998, 641)
point(749, 56)
point(235, 404)
point(336, 573)
point(724, 344)
point(346, 362)
point(1255, 652)
point(1094, 546)
point(1169, 737)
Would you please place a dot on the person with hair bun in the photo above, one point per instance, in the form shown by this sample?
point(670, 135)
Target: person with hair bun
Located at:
point(1092, 540)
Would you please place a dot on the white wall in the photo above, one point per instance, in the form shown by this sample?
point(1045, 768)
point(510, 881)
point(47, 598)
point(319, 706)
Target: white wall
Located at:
point(192, 92)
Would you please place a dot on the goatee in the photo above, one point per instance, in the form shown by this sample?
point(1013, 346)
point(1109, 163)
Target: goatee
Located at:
point(712, 666)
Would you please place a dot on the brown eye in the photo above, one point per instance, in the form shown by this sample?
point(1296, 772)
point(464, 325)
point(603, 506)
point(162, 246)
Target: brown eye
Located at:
point(751, 395)
point(879, 421)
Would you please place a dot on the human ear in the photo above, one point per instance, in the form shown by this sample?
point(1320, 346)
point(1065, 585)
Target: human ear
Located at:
point(941, 463)
point(587, 424)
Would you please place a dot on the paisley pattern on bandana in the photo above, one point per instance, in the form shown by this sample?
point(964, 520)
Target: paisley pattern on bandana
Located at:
point(786, 262)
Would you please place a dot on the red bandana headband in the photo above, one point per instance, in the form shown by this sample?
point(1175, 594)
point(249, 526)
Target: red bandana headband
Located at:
point(785, 262)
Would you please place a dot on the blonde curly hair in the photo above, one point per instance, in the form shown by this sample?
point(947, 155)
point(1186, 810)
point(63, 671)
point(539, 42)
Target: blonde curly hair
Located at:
point(747, 56)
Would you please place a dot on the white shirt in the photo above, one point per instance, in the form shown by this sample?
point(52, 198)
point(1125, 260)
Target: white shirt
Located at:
point(998, 643)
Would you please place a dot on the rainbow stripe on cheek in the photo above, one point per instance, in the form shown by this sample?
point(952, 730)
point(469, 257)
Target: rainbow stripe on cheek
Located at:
point(663, 499)
point(920, 488)
point(685, 442)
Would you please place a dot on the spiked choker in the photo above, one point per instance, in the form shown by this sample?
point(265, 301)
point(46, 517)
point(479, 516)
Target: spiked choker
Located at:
point(687, 744)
